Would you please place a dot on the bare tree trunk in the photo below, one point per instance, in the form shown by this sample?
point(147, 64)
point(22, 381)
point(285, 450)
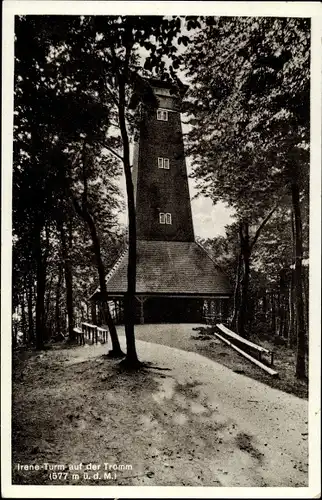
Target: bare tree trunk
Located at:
point(265, 305)
point(292, 319)
point(30, 312)
point(23, 317)
point(300, 324)
point(40, 294)
point(57, 301)
point(129, 299)
point(69, 284)
point(233, 324)
point(14, 335)
point(273, 313)
point(282, 303)
point(116, 351)
point(246, 247)
point(242, 318)
point(47, 309)
point(286, 316)
point(306, 297)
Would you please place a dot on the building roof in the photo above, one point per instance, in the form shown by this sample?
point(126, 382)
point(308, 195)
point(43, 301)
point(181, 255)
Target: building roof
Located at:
point(169, 268)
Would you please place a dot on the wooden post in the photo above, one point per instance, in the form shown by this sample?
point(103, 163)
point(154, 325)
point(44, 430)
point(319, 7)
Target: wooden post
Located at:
point(117, 311)
point(141, 300)
point(116, 319)
point(220, 309)
point(272, 358)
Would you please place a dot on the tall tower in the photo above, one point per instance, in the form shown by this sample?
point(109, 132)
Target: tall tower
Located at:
point(174, 274)
point(163, 209)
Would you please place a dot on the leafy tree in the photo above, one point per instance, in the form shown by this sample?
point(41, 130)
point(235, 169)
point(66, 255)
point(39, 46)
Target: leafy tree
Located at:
point(48, 124)
point(249, 99)
point(100, 56)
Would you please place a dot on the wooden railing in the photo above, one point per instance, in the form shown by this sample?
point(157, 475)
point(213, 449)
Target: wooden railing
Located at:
point(212, 318)
point(244, 342)
point(255, 347)
point(91, 333)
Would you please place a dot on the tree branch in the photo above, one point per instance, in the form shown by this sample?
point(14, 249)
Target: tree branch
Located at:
point(77, 206)
point(259, 229)
point(110, 150)
point(110, 93)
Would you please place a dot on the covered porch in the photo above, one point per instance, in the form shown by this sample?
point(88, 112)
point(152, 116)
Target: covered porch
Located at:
point(167, 309)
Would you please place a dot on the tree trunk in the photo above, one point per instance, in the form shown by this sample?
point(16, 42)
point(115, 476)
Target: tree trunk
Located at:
point(47, 309)
point(116, 351)
point(129, 299)
point(299, 310)
point(40, 292)
point(242, 319)
point(281, 303)
point(57, 301)
point(30, 312)
point(69, 285)
point(292, 319)
point(14, 335)
point(23, 318)
point(306, 297)
point(107, 318)
point(292, 322)
point(273, 313)
point(265, 305)
point(233, 324)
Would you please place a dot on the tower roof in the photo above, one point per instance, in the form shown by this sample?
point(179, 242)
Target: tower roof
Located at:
point(167, 84)
point(173, 268)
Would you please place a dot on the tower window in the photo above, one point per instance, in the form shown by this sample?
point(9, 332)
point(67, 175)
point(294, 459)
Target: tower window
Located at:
point(163, 163)
point(165, 218)
point(162, 114)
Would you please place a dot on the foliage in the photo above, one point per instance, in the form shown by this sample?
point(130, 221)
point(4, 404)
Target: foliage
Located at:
point(249, 99)
point(249, 104)
point(77, 92)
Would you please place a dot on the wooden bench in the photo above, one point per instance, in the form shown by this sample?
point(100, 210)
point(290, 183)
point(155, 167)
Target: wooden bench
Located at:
point(257, 348)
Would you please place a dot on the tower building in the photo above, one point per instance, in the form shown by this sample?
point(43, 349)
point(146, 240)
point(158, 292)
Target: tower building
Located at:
point(175, 275)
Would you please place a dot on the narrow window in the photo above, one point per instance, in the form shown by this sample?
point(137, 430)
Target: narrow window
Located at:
point(166, 163)
point(160, 163)
point(168, 219)
point(162, 115)
point(162, 218)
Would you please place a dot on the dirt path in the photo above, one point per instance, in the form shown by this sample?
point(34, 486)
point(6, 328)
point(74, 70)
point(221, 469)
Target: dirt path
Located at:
point(185, 421)
point(187, 337)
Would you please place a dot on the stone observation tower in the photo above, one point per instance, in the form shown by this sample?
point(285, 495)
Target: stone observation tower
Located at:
point(175, 275)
